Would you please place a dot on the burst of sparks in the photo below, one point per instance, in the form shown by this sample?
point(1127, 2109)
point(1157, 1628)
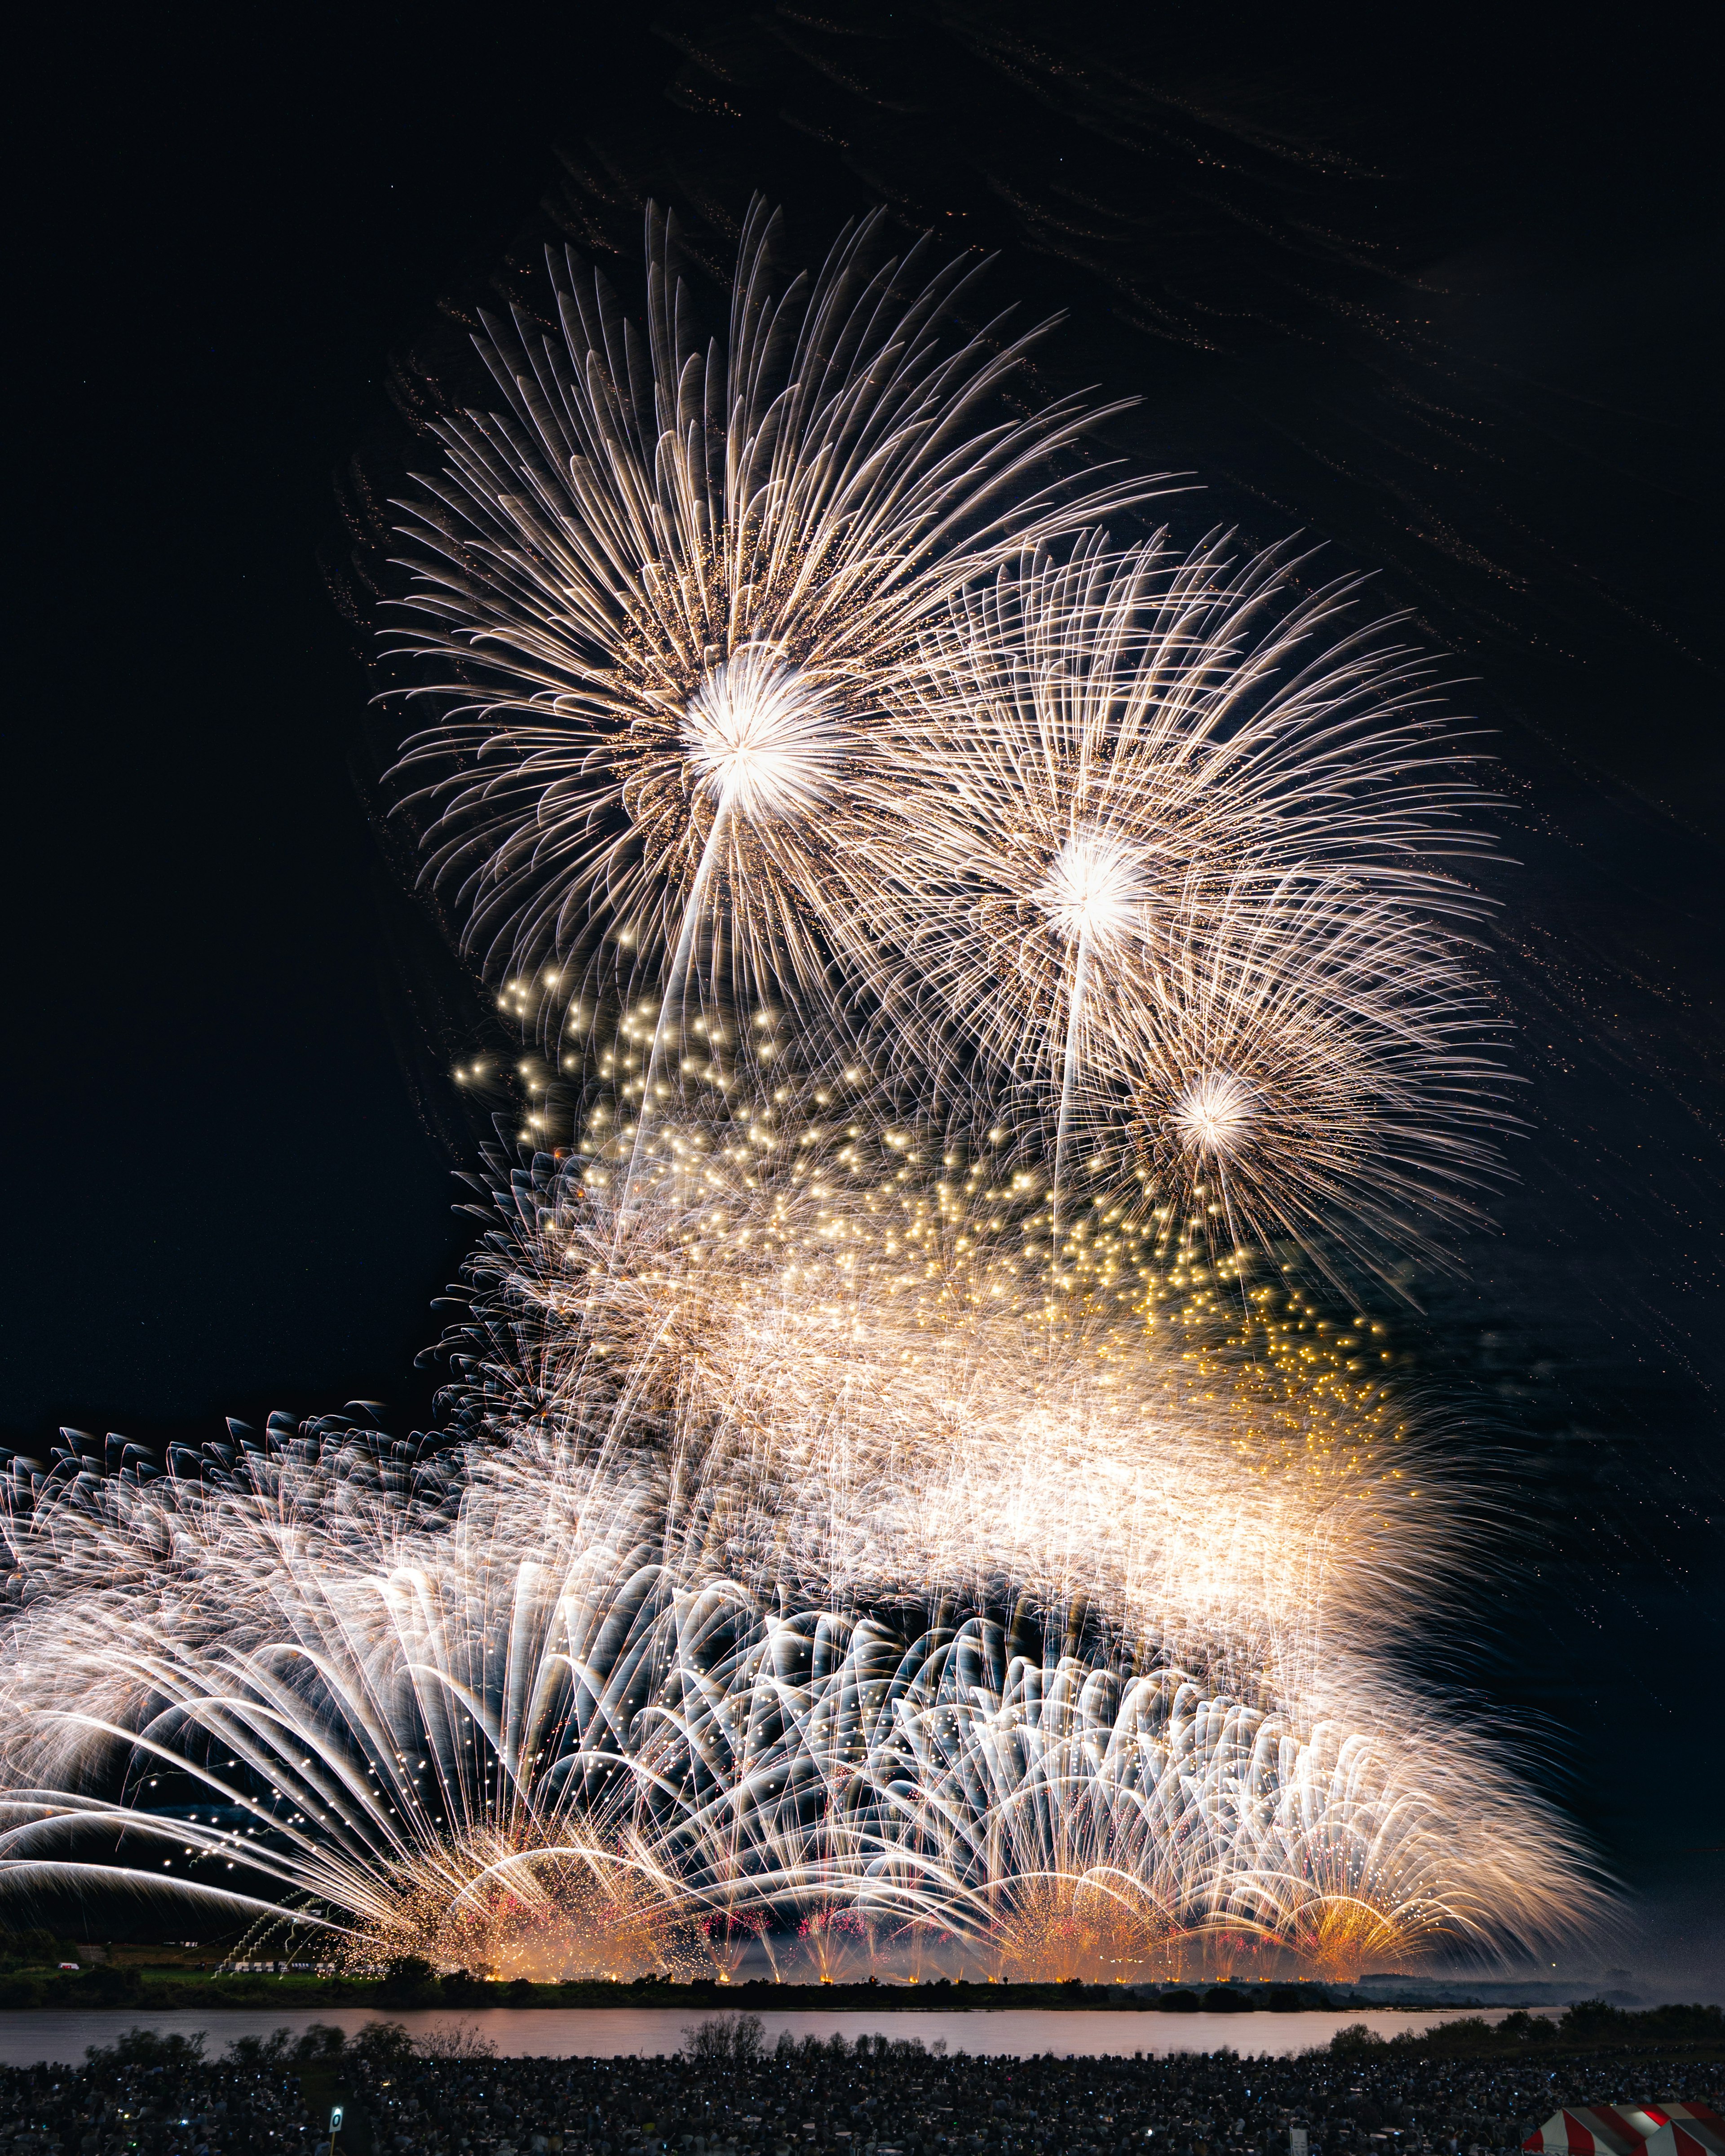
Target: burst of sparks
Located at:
point(1094, 891)
point(524, 1738)
point(1171, 829)
point(675, 584)
point(758, 741)
point(889, 1511)
point(1214, 1114)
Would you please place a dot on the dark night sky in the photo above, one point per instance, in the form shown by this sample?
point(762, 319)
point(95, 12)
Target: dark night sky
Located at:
point(1450, 307)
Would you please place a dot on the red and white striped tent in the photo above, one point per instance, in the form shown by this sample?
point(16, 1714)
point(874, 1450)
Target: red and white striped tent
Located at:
point(1604, 2130)
point(1684, 2137)
point(1641, 2118)
point(1647, 2118)
point(1631, 2129)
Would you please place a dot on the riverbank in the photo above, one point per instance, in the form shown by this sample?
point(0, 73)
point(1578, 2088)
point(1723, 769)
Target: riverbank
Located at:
point(647, 2032)
point(116, 1982)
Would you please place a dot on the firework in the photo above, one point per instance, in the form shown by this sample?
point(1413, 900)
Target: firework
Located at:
point(886, 1510)
point(851, 1386)
point(517, 1738)
point(1315, 1074)
point(1176, 892)
point(773, 673)
point(674, 586)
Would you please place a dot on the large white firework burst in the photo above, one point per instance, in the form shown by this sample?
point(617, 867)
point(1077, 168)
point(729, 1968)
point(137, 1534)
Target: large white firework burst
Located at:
point(672, 587)
point(1177, 896)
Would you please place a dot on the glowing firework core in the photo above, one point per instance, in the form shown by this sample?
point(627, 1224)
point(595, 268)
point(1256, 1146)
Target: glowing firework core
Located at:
point(1214, 1113)
point(1093, 892)
point(759, 738)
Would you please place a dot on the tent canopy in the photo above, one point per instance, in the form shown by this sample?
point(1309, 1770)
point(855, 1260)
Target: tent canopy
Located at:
point(1629, 2129)
point(1598, 2131)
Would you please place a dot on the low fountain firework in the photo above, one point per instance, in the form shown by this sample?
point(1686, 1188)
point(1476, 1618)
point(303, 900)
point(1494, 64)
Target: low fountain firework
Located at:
point(690, 1650)
point(522, 1739)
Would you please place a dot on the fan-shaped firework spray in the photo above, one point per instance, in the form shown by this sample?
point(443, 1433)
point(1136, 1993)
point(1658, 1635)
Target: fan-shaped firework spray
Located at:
point(525, 1738)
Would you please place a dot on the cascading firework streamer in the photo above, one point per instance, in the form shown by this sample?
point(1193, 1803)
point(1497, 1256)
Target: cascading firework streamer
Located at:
point(893, 1509)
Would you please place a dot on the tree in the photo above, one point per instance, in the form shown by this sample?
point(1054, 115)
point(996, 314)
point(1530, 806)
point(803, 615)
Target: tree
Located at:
point(382, 2044)
point(322, 2041)
point(145, 2047)
point(463, 2041)
point(261, 2050)
point(1355, 2038)
point(732, 2038)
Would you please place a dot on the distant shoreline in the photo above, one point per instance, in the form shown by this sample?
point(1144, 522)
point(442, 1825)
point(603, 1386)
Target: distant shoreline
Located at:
point(137, 1984)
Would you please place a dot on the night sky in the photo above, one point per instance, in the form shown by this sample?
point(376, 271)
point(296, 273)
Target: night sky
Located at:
point(1449, 307)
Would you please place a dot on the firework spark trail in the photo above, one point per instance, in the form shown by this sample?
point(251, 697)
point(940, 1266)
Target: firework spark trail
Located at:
point(509, 1739)
point(853, 1394)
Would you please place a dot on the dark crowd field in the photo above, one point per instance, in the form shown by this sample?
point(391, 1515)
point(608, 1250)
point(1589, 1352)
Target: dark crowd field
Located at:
point(1464, 2089)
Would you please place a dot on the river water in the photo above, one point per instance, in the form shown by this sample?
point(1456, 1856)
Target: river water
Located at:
point(651, 2032)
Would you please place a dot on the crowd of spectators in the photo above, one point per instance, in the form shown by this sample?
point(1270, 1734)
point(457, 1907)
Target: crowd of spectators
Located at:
point(149, 2093)
point(729, 2090)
